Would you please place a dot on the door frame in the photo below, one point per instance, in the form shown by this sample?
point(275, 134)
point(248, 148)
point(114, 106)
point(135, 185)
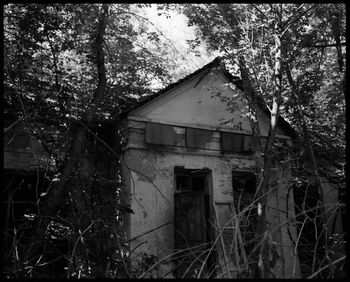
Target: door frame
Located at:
point(208, 204)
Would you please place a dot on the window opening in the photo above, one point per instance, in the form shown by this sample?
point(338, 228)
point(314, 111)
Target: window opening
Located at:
point(236, 143)
point(191, 180)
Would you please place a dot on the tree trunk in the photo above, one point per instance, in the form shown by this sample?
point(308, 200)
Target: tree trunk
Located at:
point(265, 189)
point(78, 144)
point(256, 144)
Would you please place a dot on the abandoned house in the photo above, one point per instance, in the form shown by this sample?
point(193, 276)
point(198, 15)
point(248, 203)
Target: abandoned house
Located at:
point(190, 177)
point(189, 170)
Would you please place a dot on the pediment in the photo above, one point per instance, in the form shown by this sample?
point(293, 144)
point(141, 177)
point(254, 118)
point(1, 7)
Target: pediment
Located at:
point(207, 100)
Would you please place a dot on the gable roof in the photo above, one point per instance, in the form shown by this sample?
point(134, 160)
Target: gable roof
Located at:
point(217, 62)
point(145, 100)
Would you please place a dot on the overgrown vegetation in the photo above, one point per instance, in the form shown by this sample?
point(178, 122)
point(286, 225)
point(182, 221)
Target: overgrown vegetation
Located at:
point(268, 44)
point(70, 70)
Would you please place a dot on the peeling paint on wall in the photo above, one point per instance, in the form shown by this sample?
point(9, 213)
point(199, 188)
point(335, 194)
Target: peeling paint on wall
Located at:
point(192, 128)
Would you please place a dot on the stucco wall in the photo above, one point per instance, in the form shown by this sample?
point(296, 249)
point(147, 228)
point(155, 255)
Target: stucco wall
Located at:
point(205, 101)
point(151, 195)
point(150, 186)
point(201, 102)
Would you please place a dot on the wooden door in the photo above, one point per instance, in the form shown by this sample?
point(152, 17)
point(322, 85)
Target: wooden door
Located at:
point(191, 232)
point(190, 221)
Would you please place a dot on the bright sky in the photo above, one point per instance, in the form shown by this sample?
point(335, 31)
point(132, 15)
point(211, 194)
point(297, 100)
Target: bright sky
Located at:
point(176, 30)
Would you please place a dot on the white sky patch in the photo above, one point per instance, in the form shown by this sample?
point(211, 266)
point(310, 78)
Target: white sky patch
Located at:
point(177, 31)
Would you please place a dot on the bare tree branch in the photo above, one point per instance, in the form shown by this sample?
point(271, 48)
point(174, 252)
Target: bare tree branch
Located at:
point(296, 19)
point(326, 266)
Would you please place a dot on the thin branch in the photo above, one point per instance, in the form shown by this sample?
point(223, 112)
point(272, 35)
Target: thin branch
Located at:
point(11, 125)
point(222, 246)
point(19, 97)
point(325, 267)
point(80, 238)
point(168, 256)
point(296, 19)
point(147, 177)
point(297, 11)
point(197, 258)
point(150, 22)
point(122, 256)
point(296, 246)
point(261, 13)
point(150, 231)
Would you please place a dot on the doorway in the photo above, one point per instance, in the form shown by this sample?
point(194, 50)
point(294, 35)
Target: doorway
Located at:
point(193, 232)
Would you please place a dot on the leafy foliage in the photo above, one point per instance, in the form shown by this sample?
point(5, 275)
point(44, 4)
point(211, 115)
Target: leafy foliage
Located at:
point(52, 77)
point(309, 46)
point(50, 80)
point(312, 40)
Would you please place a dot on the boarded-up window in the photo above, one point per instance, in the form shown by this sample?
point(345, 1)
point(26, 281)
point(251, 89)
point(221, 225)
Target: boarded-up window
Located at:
point(197, 138)
point(236, 143)
point(247, 144)
point(163, 135)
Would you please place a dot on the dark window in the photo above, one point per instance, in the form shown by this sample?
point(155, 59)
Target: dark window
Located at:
point(197, 138)
point(236, 143)
point(243, 182)
point(190, 179)
point(162, 134)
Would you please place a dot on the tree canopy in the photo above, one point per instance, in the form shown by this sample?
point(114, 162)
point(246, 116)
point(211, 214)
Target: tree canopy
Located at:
point(313, 46)
point(70, 68)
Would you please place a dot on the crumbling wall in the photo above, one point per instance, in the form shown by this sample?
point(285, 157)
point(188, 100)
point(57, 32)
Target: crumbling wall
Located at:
point(151, 195)
point(149, 174)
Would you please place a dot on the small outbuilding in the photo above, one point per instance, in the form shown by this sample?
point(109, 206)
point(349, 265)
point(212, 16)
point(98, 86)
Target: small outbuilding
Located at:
point(190, 179)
